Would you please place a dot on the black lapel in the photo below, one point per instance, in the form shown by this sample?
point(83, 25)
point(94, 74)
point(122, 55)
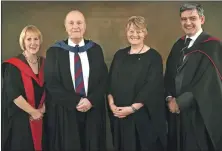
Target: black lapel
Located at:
point(195, 46)
point(179, 48)
point(203, 36)
point(90, 56)
point(64, 67)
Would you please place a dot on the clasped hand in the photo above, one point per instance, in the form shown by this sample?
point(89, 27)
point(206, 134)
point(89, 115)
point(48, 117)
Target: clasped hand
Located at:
point(172, 105)
point(84, 105)
point(37, 114)
point(121, 112)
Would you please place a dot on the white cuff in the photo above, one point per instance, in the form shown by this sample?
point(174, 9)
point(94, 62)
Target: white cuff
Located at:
point(168, 98)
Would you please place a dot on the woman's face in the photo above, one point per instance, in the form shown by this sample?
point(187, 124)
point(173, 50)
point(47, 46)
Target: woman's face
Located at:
point(32, 42)
point(135, 36)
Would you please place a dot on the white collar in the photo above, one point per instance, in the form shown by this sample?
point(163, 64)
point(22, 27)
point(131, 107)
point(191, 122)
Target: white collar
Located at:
point(71, 43)
point(194, 37)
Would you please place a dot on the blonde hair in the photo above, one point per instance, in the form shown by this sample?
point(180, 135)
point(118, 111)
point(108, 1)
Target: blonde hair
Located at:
point(32, 29)
point(137, 21)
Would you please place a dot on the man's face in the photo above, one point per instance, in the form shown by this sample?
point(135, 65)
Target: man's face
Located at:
point(75, 25)
point(191, 22)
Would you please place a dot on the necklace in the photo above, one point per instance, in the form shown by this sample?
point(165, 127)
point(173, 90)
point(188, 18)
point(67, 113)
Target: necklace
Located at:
point(29, 60)
point(138, 51)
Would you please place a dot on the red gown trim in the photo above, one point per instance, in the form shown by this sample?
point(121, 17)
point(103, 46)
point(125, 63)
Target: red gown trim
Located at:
point(27, 75)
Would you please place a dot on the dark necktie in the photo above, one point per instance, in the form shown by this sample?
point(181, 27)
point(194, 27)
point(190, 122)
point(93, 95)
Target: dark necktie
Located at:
point(186, 44)
point(79, 81)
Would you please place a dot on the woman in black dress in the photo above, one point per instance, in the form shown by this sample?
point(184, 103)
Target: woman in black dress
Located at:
point(23, 95)
point(136, 94)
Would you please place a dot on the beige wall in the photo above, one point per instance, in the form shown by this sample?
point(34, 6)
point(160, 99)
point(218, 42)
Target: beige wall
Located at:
point(105, 23)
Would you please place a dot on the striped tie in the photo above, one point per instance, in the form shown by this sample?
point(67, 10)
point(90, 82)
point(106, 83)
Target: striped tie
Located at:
point(182, 52)
point(79, 81)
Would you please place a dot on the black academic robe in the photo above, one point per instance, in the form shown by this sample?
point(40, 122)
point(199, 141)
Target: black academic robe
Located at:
point(18, 132)
point(138, 78)
point(64, 133)
point(197, 86)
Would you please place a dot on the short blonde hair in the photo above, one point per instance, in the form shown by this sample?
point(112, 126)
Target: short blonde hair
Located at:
point(32, 29)
point(139, 22)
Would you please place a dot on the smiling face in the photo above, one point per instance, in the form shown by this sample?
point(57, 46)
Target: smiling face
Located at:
point(136, 30)
point(191, 22)
point(30, 39)
point(75, 25)
point(135, 35)
point(31, 42)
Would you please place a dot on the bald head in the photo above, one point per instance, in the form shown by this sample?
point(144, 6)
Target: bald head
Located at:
point(75, 13)
point(75, 25)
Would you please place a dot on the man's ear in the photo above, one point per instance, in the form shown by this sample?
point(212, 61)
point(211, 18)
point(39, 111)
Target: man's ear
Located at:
point(202, 18)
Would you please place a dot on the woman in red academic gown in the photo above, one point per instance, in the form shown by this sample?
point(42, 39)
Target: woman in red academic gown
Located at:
point(23, 95)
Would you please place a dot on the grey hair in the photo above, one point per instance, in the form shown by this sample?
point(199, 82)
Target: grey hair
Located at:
point(192, 6)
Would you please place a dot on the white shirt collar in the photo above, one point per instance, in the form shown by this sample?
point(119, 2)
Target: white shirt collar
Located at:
point(71, 43)
point(194, 37)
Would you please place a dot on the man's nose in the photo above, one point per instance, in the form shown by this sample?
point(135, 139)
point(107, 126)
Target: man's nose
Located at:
point(188, 21)
point(75, 25)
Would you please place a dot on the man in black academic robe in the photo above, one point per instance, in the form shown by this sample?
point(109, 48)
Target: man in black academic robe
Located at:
point(75, 121)
point(193, 84)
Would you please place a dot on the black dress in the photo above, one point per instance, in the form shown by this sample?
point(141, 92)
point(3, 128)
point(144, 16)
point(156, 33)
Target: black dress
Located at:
point(16, 132)
point(138, 78)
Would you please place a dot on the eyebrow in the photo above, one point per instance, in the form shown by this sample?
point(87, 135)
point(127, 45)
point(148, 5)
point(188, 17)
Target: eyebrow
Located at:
point(190, 17)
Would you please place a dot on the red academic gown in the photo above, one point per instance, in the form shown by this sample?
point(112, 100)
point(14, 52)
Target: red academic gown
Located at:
point(19, 132)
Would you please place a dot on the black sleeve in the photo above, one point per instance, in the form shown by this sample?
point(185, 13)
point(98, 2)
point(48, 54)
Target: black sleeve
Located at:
point(97, 95)
point(109, 81)
point(12, 88)
point(152, 90)
point(207, 92)
point(13, 83)
point(168, 76)
point(185, 100)
point(54, 88)
point(151, 95)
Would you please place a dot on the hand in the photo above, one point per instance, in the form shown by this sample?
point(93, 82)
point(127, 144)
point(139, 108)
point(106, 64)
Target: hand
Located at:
point(42, 109)
point(36, 115)
point(122, 112)
point(113, 107)
point(84, 105)
point(172, 105)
